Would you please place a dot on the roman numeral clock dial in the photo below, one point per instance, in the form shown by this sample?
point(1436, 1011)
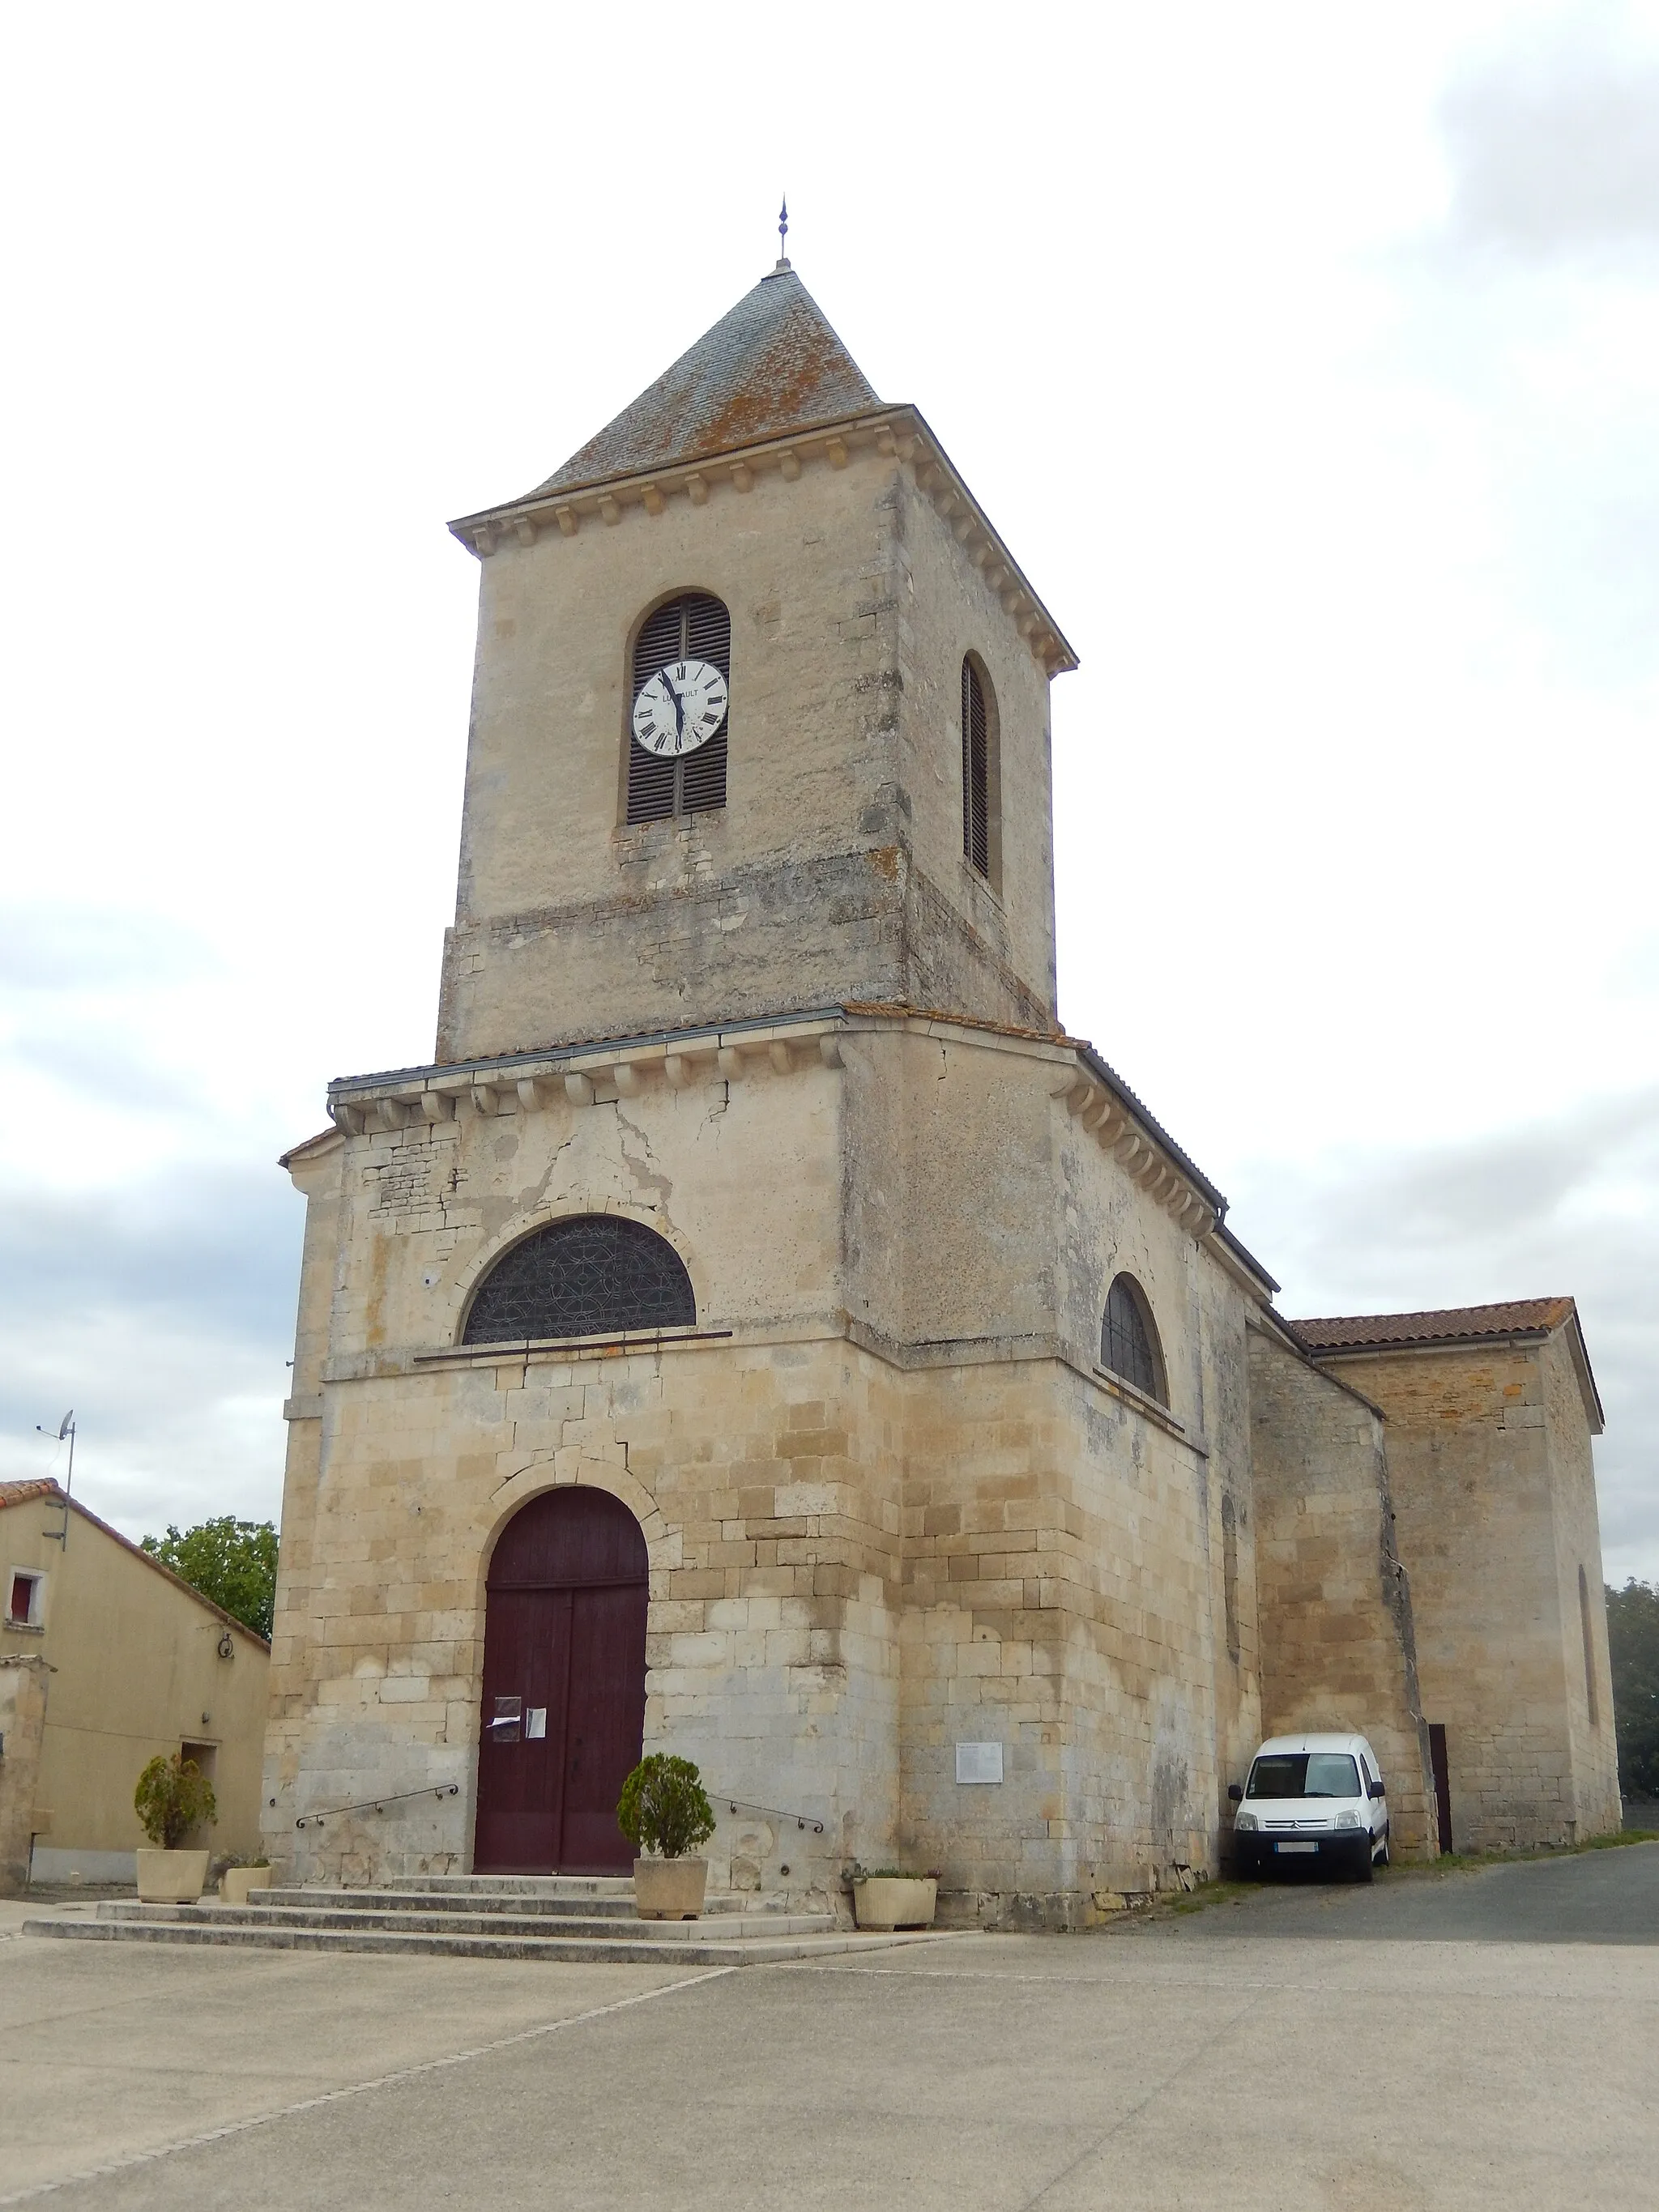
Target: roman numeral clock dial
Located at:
point(679, 708)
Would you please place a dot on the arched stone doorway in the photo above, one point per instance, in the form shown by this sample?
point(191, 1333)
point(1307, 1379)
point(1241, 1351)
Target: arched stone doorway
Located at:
point(563, 1686)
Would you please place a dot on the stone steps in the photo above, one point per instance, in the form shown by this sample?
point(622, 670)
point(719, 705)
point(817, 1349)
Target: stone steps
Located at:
point(420, 1897)
point(412, 1920)
point(490, 1916)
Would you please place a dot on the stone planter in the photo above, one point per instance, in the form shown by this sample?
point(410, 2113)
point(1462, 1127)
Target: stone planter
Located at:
point(236, 1883)
point(670, 1889)
point(172, 1877)
point(887, 1901)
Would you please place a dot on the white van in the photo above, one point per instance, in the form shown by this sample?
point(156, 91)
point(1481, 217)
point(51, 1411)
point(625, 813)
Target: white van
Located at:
point(1312, 1801)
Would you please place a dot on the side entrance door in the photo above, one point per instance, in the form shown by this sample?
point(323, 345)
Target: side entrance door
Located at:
point(563, 1686)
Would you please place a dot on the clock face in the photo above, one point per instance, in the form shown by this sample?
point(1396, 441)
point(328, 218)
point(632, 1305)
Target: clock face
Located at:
point(681, 708)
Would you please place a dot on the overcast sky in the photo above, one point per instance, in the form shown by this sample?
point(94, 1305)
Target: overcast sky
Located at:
point(1308, 358)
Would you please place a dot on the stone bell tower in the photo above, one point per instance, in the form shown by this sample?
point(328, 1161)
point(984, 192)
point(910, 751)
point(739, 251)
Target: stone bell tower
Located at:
point(705, 1351)
point(826, 862)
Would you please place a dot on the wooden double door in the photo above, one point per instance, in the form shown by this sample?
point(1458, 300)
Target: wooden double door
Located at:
point(563, 1686)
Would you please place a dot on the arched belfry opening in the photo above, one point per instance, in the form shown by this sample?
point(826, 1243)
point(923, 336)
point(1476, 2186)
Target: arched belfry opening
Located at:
point(563, 1713)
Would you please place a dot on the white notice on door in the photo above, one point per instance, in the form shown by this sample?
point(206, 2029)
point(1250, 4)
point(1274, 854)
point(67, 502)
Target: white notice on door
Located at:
point(535, 1723)
point(979, 1762)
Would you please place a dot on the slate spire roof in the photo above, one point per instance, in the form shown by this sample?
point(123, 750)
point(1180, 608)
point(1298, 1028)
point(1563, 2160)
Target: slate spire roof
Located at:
point(772, 364)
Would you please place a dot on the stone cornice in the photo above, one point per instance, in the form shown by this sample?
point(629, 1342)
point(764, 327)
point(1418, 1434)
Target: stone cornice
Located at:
point(582, 1075)
point(919, 1356)
point(899, 433)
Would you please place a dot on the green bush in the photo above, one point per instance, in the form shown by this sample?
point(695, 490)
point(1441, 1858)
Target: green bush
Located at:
point(173, 1795)
point(231, 1562)
point(1633, 1650)
point(663, 1809)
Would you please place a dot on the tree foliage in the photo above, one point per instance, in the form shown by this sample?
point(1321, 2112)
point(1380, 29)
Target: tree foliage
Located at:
point(663, 1807)
point(174, 1797)
point(232, 1562)
point(1633, 1649)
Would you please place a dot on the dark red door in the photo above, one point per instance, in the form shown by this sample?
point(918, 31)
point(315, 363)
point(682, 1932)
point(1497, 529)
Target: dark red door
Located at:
point(563, 1686)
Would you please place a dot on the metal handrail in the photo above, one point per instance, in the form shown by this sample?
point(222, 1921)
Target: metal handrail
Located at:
point(377, 1804)
point(801, 1820)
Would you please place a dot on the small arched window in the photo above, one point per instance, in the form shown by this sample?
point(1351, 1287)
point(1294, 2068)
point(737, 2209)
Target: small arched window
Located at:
point(1229, 1573)
point(1128, 1340)
point(1589, 1648)
point(981, 795)
point(694, 627)
point(595, 1274)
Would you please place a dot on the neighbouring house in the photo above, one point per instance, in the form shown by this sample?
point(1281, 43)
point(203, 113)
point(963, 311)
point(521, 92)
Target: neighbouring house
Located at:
point(106, 1658)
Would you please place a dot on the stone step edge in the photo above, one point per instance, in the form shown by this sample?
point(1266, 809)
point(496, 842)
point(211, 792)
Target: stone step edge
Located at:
point(635, 1951)
point(581, 1927)
point(725, 1904)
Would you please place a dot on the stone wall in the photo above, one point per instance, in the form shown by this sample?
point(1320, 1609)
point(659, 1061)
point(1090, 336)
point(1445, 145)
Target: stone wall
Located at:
point(891, 1503)
point(1337, 1646)
point(835, 871)
point(23, 1682)
point(1489, 1459)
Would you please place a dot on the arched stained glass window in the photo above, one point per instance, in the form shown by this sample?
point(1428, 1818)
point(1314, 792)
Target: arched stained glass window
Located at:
point(1128, 1340)
point(595, 1274)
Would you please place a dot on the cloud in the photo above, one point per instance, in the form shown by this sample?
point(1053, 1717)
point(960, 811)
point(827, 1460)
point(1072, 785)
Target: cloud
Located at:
point(1554, 143)
point(1566, 1205)
point(164, 1315)
point(78, 949)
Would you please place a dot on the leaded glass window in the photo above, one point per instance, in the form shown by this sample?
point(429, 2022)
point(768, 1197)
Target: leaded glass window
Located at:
point(1128, 1340)
point(596, 1274)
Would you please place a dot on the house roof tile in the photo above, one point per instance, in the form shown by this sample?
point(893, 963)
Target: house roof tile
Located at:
point(1447, 1325)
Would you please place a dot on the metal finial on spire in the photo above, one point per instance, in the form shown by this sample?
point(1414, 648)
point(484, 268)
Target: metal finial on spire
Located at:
point(783, 235)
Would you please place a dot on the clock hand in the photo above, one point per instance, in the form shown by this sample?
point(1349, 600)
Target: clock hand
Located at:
point(679, 708)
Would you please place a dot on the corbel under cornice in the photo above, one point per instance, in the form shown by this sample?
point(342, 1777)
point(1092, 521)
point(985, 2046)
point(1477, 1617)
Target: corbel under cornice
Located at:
point(900, 432)
point(579, 1076)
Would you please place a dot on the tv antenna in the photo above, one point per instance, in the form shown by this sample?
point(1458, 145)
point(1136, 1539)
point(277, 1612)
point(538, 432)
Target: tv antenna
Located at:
point(65, 1429)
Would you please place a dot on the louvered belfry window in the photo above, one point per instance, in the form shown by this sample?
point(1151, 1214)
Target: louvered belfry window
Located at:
point(696, 627)
point(1128, 1344)
point(976, 773)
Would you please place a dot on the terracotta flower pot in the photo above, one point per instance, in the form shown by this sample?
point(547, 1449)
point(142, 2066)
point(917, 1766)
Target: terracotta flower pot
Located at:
point(236, 1883)
point(887, 1901)
point(172, 1877)
point(670, 1889)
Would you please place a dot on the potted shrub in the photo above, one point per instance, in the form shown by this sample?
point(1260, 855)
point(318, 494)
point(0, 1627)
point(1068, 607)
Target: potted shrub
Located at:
point(887, 1897)
point(241, 1875)
point(174, 1797)
point(664, 1812)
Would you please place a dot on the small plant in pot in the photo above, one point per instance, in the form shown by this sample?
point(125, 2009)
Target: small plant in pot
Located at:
point(887, 1897)
point(239, 1876)
point(664, 1811)
point(174, 1797)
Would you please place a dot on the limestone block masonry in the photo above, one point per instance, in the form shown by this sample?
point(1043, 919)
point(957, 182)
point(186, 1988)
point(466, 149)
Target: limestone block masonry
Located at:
point(989, 1512)
point(891, 1501)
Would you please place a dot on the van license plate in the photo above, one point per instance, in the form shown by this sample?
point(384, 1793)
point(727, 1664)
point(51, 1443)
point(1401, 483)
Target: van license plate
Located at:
point(1296, 1847)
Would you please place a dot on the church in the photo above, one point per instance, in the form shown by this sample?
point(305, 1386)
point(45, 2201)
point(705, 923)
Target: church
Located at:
point(762, 1333)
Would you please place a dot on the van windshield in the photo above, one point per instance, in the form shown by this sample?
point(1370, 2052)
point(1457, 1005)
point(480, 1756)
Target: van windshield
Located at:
point(1305, 1774)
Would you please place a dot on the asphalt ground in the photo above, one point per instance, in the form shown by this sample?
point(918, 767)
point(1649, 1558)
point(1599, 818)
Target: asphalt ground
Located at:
point(1436, 2040)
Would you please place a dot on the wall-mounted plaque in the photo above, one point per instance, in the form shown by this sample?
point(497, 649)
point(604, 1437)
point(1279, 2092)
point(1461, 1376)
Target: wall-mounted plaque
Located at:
point(979, 1762)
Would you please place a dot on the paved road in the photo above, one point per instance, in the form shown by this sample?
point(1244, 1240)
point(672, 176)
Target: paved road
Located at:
point(1264, 2054)
point(1599, 1897)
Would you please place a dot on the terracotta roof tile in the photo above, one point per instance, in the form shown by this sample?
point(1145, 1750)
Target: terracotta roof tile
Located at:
point(1449, 1325)
point(769, 365)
